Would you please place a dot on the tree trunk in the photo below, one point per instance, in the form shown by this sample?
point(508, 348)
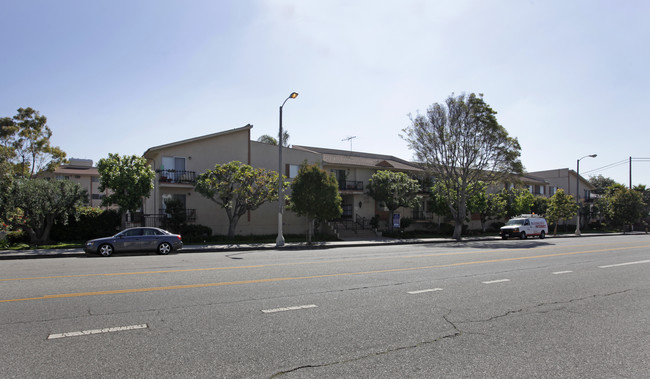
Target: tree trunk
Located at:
point(232, 225)
point(458, 230)
point(459, 220)
point(310, 232)
point(122, 220)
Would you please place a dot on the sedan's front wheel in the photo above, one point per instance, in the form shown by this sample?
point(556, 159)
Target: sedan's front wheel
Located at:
point(105, 250)
point(164, 248)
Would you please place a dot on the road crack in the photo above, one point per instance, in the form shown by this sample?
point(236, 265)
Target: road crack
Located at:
point(456, 333)
point(540, 305)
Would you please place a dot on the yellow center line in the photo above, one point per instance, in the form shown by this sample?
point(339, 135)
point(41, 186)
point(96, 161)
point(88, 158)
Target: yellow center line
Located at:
point(283, 264)
point(281, 279)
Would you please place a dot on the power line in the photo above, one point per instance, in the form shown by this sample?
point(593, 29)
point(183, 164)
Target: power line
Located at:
point(611, 165)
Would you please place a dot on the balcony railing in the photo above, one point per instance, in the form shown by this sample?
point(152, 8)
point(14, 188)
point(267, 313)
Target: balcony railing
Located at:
point(177, 176)
point(190, 214)
point(347, 185)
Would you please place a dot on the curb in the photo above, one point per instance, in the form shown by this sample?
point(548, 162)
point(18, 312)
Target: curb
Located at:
point(77, 253)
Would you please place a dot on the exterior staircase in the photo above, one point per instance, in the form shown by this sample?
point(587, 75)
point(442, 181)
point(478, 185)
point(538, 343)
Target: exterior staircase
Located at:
point(349, 230)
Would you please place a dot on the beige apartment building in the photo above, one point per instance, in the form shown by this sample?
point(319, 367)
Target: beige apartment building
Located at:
point(178, 164)
point(353, 171)
point(566, 179)
point(82, 172)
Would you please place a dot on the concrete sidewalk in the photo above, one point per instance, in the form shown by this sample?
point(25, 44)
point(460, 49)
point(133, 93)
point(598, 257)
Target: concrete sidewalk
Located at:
point(207, 248)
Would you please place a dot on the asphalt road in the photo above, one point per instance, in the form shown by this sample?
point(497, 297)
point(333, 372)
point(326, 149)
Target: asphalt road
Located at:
point(533, 308)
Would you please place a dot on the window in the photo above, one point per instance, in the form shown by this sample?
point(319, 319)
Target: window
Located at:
point(293, 171)
point(173, 168)
point(173, 163)
point(95, 179)
point(97, 196)
point(132, 233)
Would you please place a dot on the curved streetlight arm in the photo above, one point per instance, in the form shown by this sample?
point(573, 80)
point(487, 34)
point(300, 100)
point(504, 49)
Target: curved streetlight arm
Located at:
point(292, 96)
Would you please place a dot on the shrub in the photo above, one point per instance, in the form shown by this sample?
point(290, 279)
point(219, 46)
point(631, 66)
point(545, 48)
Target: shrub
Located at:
point(195, 233)
point(405, 223)
point(446, 229)
point(17, 237)
point(495, 226)
point(92, 223)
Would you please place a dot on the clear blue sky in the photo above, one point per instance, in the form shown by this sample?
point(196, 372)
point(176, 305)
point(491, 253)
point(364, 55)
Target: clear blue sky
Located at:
point(567, 78)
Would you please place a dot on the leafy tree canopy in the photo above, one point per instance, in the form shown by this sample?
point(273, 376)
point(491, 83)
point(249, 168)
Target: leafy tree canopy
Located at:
point(129, 179)
point(517, 200)
point(238, 188)
point(273, 141)
point(627, 206)
point(315, 194)
point(395, 189)
point(561, 207)
point(462, 143)
point(25, 147)
point(36, 204)
point(601, 184)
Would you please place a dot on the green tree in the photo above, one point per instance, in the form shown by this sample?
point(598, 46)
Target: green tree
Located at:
point(601, 184)
point(25, 144)
point(274, 141)
point(540, 205)
point(561, 207)
point(461, 143)
point(395, 189)
point(627, 206)
point(36, 204)
point(517, 201)
point(8, 131)
point(315, 194)
point(129, 179)
point(238, 188)
point(438, 204)
point(494, 209)
point(645, 196)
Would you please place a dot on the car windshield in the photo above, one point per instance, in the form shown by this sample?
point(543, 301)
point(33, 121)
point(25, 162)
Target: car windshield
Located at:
point(517, 221)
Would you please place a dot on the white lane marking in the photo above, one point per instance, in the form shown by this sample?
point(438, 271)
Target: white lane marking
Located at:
point(97, 331)
point(423, 291)
point(625, 264)
point(562, 272)
point(496, 281)
point(295, 308)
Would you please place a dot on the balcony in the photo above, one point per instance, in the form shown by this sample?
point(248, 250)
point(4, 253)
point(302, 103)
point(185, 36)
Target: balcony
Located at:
point(190, 214)
point(177, 176)
point(347, 185)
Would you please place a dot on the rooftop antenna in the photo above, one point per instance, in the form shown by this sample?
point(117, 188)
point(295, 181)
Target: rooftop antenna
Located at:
point(349, 139)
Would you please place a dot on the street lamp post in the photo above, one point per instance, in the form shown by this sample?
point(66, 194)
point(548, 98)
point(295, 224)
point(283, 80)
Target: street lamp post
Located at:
point(279, 241)
point(578, 189)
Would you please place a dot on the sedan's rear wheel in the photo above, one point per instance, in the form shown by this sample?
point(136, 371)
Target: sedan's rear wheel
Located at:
point(105, 250)
point(164, 248)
